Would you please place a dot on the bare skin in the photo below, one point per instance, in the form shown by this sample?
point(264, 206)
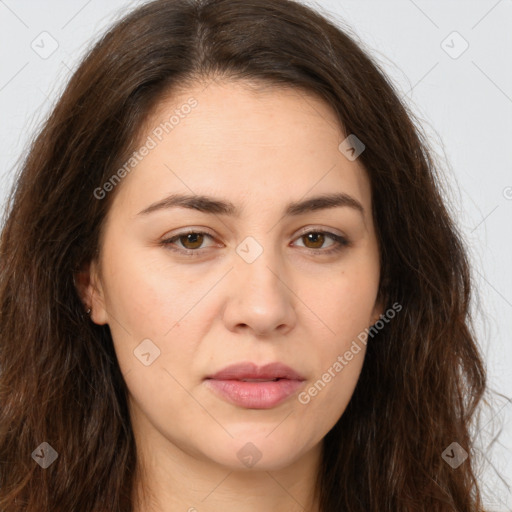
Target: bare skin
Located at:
point(295, 303)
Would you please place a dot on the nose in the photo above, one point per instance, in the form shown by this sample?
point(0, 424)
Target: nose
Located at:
point(260, 297)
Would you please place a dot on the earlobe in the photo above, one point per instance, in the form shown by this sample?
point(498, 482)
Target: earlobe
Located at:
point(88, 284)
point(378, 311)
point(380, 302)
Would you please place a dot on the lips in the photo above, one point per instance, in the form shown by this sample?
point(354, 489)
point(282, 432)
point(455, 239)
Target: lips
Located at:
point(255, 387)
point(250, 371)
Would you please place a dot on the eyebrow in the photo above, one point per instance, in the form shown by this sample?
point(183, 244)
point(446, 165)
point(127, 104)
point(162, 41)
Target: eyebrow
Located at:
point(217, 206)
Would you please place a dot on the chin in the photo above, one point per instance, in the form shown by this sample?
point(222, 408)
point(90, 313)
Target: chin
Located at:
point(256, 453)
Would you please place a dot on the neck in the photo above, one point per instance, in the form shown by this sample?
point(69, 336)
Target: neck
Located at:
point(171, 480)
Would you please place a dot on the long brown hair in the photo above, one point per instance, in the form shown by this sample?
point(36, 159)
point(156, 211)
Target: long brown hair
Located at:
point(60, 383)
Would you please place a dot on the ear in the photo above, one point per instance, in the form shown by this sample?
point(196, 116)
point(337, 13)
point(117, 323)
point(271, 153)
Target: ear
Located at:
point(378, 310)
point(380, 301)
point(90, 290)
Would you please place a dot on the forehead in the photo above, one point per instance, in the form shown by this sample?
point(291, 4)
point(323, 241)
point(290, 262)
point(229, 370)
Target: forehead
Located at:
point(230, 140)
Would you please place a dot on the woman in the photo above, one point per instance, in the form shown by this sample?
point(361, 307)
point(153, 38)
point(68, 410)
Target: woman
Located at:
point(229, 281)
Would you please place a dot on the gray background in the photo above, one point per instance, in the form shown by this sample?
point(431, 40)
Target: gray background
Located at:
point(462, 98)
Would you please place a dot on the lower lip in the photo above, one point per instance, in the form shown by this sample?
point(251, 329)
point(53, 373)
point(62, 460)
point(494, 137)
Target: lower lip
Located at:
point(255, 395)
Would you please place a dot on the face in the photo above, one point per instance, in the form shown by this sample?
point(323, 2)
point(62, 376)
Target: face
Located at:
point(211, 299)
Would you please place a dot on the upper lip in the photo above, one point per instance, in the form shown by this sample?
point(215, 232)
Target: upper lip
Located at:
point(248, 370)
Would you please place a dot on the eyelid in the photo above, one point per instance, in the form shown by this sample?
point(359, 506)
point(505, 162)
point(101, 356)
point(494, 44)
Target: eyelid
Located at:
point(340, 240)
point(199, 231)
point(319, 229)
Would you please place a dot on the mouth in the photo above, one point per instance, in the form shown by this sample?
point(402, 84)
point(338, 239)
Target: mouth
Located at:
point(255, 387)
point(259, 380)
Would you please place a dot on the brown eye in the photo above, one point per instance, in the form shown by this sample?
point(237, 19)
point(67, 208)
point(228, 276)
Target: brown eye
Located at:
point(191, 243)
point(187, 243)
point(316, 239)
point(191, 240)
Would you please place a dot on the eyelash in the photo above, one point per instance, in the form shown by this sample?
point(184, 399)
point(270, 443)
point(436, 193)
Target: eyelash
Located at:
point(340, 243)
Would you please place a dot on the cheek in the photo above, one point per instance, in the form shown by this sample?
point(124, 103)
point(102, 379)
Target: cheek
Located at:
point(141, 293)
point(346, 306)
point(149, 299)
point(338, 358)
point(345, 303)
point(325, 399)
